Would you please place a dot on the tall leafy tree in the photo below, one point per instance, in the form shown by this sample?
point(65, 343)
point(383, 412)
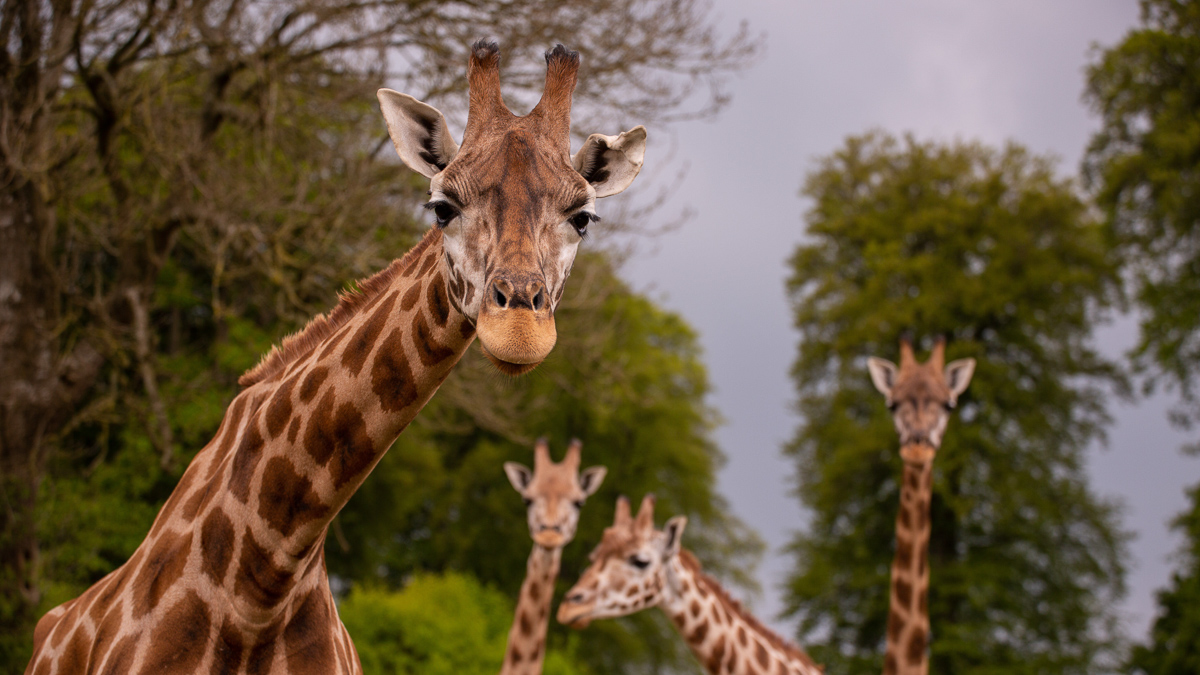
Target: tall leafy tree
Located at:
point(1144, 168)
point(988, 248)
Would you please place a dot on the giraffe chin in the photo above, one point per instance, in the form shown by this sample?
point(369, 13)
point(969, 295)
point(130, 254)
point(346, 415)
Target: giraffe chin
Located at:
point(510, 369)
point(515, 340)
point(918, 453)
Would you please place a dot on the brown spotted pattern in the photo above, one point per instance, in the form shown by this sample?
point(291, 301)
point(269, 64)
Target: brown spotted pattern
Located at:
point(636, 566)
point(920, 397)
point(231, 578)
point(553, 494)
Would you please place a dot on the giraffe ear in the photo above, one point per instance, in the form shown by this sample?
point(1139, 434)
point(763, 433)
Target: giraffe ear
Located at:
point(958, 376)
point(418, 131)
point(591, 478)
point(610, 163)
point(883, 374)
point(673, 530)
point(519, 475)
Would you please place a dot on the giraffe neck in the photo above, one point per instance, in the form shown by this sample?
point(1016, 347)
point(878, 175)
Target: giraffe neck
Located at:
point(724, 636)
point(527, 638)
point(307, 437)
point(908, 619)
point(232, 576)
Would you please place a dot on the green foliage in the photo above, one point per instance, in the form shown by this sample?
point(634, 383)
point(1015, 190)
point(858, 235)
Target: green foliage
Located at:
point(438, 625)
point(989, 249)
point(1174, 647)
point(1144, 165)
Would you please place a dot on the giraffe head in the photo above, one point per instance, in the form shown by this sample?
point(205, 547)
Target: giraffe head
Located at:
point(629, 567)
point(512, 202)
point(921, 396)
point(554, 493)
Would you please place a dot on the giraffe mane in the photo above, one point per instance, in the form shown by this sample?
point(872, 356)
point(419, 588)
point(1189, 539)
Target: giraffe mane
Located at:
point(693, 564)
point(350, 302)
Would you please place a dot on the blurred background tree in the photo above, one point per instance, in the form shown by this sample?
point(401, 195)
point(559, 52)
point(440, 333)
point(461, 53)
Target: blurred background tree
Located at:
point(1143, 167)
point(989, 249)
point(182, 184)
point(1174, 645)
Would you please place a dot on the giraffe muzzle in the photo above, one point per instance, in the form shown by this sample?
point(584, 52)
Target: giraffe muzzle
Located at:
point(574, 612)
point(918, 452)
point(516, 325)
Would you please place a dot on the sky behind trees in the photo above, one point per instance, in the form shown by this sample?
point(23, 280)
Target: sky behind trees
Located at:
point(943, 71)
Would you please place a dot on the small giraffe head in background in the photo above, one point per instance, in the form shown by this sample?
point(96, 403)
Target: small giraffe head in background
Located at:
point(512, 202)
point(554, 493)
point(629, 567)
point(921, 396)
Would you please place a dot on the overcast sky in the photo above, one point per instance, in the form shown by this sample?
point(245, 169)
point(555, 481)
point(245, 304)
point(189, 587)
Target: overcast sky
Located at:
point(944, 70)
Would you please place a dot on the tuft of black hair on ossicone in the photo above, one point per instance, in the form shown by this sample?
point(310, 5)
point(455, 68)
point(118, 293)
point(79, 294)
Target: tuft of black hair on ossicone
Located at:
point(485, 48)
point(561, 52)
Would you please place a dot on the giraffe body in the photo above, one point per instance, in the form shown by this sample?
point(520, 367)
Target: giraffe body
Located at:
point(920, 397)
point(231, 577)
point(554, 495)
point(636, 566)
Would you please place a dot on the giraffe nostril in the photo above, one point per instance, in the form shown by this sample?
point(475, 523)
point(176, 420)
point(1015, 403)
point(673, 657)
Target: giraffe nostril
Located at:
point(499, 297)
point(539, 300)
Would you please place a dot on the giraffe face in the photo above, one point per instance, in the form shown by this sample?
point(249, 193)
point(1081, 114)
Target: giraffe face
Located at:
point(920, 397)
point(554, 493)
point(512, 202)
point(629, 567)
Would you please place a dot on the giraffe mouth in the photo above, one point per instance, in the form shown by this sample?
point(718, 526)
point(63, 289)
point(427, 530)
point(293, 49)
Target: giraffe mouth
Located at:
point(917, 453)
point(508, 367)
point(549, 538)
point(574, 615)
point(515, 340)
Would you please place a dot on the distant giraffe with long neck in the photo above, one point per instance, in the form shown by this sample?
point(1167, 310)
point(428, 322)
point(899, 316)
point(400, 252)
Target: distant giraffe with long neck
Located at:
point(231, 577)
point(920, 397)
point(554, 495)
point(635, 567)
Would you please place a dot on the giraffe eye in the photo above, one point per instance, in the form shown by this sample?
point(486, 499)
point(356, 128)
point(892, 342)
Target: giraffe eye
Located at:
point(892, 406)
point(948, 405)
point(579, 505)
point(580, 221)
point(443, 212)
point(528, 501)
point(639, 562)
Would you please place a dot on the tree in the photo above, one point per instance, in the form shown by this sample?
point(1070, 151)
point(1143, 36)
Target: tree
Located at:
point(989, 249)
point(182, 183)
point(1144, 169)
point(1174, 646)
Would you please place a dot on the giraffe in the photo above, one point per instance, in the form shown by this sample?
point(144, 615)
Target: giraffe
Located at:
point(920, 398)
point(231, 577)
point(636, 566)
point(554, 495)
